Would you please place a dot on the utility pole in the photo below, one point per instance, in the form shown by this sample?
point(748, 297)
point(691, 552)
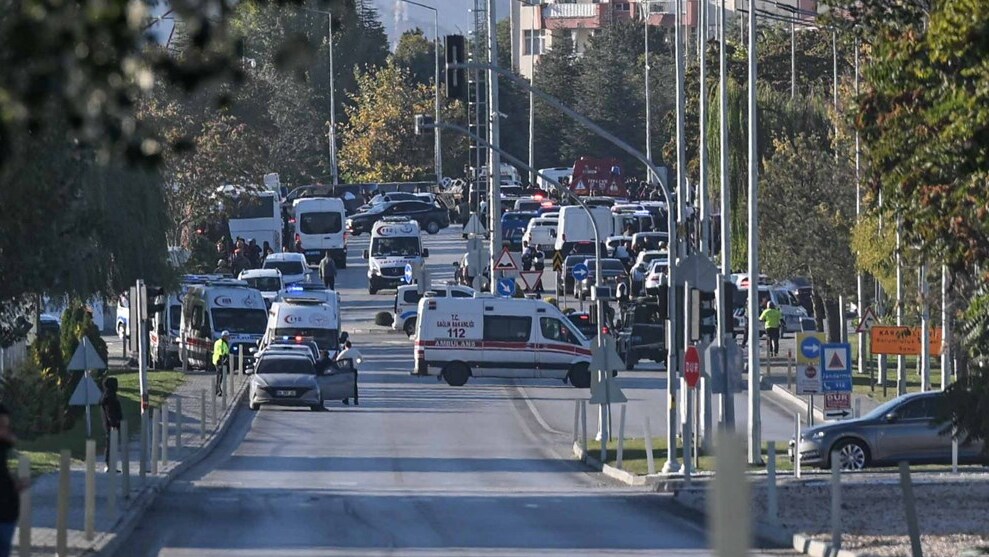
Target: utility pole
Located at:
point(494, 159)
point(532, 103)
point(901, 363)
point(859, 279)
point(945, 330)
point(755, 419)
point(333, 104)
point(702, 205)
point(645, 28)
point(724, 318)
point(925, 329)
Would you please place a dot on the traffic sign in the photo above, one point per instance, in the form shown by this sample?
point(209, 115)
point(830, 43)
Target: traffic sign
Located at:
point(902, 341)
point(558, 261)
point(85, 357)
point(808, 379)
point(836, 367)
point(530, 279)
point(506, 262)
point(506, 287)
point(837, 405)
point(868, 320)
point(810, 347)
point(691, 366)
point(474, 226)
point(580, 271)
point(732, 354)
point(87, 393)
point(408, 273)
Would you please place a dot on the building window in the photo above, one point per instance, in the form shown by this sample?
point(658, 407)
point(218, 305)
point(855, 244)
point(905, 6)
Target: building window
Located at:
point(534, 42)
point(622, 7)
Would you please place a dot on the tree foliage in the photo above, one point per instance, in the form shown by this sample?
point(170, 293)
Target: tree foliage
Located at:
point(415, 53)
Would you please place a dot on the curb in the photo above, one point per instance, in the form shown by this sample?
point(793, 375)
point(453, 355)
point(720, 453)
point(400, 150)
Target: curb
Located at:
point(793, 400)
point(627, 478)
point(134, 513)
point(816, 548)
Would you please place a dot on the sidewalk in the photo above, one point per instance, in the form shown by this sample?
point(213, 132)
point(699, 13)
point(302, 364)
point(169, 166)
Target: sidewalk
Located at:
point(194, 447)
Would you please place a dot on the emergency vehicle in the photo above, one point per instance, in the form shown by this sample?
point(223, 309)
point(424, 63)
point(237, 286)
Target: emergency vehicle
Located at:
point(221, 305)
point(165, 326)
point(319, 225)
point(303, 317)
point(407, 303)
point(485, 336)
point(395, 243)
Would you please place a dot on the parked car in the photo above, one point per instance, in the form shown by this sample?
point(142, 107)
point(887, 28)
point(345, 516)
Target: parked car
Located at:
point(904, 428)
point(431, 217)
point(612, 274)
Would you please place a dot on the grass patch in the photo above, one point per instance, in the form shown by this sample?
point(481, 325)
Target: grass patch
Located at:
point(634, 456)
point(44, 451)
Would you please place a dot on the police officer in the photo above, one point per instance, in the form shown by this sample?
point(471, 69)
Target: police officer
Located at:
point(221, 355)
point(774, 321)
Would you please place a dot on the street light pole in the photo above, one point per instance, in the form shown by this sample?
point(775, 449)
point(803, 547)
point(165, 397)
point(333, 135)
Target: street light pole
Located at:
point(331, 134)
point(437, 132)
point(755, 419)
point(702, 205)
point(645, 27)
point(494, 160)
point(724, 325)
point(532, 106)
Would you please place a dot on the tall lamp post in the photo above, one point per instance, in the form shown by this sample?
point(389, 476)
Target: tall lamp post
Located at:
point(332, 133)
point(437, 134)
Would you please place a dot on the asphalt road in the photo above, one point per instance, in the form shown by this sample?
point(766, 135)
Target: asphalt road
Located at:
point(419, 468)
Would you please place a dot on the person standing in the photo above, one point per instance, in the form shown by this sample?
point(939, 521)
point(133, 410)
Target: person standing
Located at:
point(112, 414)
point(10, 487)
point(328, 271)
point(221, 355)
point(355, 357)
point(774, 321)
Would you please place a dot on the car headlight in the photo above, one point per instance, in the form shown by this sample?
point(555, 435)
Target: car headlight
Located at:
point(818, 435)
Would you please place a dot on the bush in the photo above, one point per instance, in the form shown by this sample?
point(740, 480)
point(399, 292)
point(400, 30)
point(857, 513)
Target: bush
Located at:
point(384, 319)
point(77, 322)
point(37, 393)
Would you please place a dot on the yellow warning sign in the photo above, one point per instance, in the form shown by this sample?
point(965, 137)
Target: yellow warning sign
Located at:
point(902, 341)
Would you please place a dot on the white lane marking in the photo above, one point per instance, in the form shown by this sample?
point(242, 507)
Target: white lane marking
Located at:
point(535, 412)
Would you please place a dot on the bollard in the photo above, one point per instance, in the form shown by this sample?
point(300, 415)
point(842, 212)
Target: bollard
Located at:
point(576, 420)
point(910, 506)
point(229, 391)
point(166, 429)
point(178, 426)
point(858, 407)
point(604, 438)
point(125, 459)
point(142, 465)
point(202, 413)
point(621, 438)
point(225, 383)
point(111, 476)
point(89, 506)
point(647, 437)
point(835, 500)
point(772, 501)
point(583, 426)
point(954, 452)
point(212, 410)
point(155, 441)
point(240, 362)
point(789, 370)
point(796, 446)
point(182, 353)
point(62, 510)
point(24, 520)
point(728, 505)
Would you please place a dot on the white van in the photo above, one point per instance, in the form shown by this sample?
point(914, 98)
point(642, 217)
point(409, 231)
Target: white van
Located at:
point(304, 317)
point(292, 266)
point(268, 281)
point(558, 173)
point(575, 226)
point(407, 303)
point(319, 225)
point(217, 306)
point(541, 232)
point(395, 243)
point(484, 336)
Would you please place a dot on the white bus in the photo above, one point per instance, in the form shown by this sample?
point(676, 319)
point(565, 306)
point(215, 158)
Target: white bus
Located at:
point(252, 214)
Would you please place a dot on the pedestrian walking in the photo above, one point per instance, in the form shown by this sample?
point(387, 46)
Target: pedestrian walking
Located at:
point(112, 414)
point(355, 357)
point(10, 487)
point(527, 255)
point(328, 271)
point(221, 355)
point(774, 321)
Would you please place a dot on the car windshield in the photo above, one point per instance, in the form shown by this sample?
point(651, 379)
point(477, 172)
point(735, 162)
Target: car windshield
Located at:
point(329, 222)
point(265, 284)
point(275, 365)
point(658, 266)
point(240, 320)
point(326, 339)
point(286, 267)
point(405, 246)
point(611, 265)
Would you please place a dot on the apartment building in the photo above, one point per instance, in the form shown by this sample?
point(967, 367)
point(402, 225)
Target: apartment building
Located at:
point(536, 27)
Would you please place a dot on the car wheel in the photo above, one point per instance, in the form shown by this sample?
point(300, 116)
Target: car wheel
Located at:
point(456, 374)
point(410, 327)
point(255, 406)
point(580, 376)
point(432, 227)
point(371, 290)
point(853, 454)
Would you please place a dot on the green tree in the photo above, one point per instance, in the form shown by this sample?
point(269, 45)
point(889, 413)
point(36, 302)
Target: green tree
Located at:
point(556, 73)
point(807, 209)
point(379, 142)
point(415, 53)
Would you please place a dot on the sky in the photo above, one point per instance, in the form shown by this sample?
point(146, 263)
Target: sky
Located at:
point(398, 17)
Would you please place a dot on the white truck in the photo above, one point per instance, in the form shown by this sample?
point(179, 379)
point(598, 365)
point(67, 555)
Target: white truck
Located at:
point(319, 226)
point(395, 243)
point(575, 226)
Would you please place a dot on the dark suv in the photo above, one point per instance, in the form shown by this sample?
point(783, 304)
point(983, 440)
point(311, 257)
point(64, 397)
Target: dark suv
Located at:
point(642, 332)
point(432, 217)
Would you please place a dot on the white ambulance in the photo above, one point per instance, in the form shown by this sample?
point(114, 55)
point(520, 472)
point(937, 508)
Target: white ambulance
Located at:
point(484, 336)
point(305, 317)
point(216, 306)
point(395, 243)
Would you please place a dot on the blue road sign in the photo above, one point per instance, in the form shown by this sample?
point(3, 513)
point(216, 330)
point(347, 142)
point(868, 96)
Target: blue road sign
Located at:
point(836, 367)
point(580, 271)
point(408, 273)
point(810, 348)
point(506, 287)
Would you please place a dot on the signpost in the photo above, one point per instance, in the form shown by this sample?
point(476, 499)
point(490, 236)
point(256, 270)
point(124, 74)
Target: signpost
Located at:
point(87, 393)
point(809, 368)
point(836, 378)
point(868, 320)
point(506, 262)
point(902, 341)
point(530, 279)
point(408, 273)
point(506, 287)
point(558, 261)
point(580, 271)
point(691, 367)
